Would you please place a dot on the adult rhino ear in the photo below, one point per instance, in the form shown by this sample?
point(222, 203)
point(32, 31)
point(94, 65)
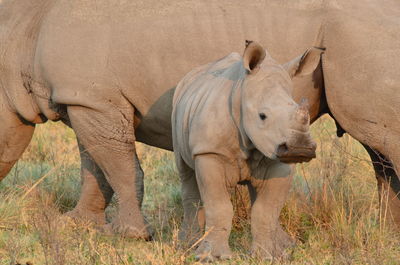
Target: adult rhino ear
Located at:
point(305, 64)
point(253, 56)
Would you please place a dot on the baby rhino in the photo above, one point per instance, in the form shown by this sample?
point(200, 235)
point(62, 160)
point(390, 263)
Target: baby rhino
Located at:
point(235, 121)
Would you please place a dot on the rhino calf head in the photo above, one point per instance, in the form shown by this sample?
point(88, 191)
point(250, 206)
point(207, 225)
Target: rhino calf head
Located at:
point(271, 120)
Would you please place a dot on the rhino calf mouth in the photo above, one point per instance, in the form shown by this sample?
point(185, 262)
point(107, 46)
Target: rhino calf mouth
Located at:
point(293, 154)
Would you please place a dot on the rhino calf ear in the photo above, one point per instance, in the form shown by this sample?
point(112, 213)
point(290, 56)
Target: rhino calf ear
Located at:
point(253, 56)
point(305, 64)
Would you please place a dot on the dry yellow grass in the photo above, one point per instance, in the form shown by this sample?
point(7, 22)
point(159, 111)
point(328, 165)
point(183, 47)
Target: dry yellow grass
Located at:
point(332, 210)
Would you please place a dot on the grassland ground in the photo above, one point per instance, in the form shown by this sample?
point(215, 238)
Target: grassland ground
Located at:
point(332, 211)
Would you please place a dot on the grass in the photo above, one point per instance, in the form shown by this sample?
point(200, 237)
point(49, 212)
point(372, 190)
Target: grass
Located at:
point(332, 210)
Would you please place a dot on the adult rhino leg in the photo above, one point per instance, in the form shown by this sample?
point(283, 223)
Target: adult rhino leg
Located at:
point(210, 175)
point(269, 239)
point(96, 192)
point(388, 186)
point(108, 137)
point(15, 135)
point(190, 230)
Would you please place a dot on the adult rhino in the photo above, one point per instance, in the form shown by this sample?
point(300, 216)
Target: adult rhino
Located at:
point(234, 121)
point(107, 69)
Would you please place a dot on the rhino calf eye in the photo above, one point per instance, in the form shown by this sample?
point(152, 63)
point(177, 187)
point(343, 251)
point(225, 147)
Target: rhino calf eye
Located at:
point(262, 116)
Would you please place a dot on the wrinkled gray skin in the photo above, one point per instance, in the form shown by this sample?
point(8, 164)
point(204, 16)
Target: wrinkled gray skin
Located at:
point(106, 68)
point(230, 119)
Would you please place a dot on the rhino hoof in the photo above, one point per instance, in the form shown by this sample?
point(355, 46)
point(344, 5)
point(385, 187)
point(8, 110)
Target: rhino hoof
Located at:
point(126, 231)
point(96, 218)
point(207, 253)
point(280, 247)
point(188, 238)
point(207, 257)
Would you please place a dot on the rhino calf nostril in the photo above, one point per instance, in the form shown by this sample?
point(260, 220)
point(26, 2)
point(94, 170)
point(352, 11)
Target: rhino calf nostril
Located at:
point(282, 148)
point(262, 116)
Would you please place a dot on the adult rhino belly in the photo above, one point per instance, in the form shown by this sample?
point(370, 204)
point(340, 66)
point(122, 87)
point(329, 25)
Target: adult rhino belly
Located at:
point(362, 80)
point(137, 51)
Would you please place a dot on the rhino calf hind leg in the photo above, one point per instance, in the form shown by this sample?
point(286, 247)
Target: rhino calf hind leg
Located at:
point(108, 136)
point(96, 192)
point(210, 175)
point(388, 186)
point(269, 239)
point(190, 230)
point(15, 135)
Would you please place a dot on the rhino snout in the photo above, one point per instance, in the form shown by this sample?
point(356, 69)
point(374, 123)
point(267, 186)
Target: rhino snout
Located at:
point(297, 151)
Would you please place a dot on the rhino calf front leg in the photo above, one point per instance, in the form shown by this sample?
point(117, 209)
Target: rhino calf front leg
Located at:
point(210, 175)
point(269, 239)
